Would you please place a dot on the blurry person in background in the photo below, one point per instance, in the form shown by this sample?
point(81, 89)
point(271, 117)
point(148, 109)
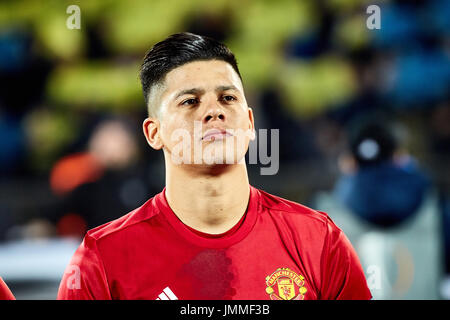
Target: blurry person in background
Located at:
point(380, 182)
point(209, 234)
point(100, 183)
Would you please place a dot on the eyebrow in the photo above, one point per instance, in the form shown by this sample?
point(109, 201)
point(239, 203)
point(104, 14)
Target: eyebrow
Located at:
point(189, 91)
point(200, 91)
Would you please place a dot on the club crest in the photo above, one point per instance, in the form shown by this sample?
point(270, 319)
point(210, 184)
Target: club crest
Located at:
point(285, 284)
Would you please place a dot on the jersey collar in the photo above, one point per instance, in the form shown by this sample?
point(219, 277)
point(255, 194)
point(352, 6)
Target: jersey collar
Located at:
point(224, 240)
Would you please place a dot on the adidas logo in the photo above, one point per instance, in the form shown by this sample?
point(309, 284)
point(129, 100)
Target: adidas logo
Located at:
point(167, 294)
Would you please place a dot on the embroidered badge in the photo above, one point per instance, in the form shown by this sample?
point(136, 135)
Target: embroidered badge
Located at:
point(285, 284)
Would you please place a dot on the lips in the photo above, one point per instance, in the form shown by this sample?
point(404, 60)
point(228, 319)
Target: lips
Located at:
point(215, 134)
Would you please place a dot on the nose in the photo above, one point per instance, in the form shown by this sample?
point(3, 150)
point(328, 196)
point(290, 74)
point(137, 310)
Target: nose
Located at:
point(215, 112)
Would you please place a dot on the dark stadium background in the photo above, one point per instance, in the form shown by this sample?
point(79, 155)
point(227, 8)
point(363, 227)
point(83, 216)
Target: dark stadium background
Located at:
point(73, 156)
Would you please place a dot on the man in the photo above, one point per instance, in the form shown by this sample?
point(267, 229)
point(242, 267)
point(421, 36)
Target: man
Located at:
point(377, 169)
point(209, 234)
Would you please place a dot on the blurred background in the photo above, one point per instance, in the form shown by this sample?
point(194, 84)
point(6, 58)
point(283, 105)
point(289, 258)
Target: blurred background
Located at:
point(364, 119)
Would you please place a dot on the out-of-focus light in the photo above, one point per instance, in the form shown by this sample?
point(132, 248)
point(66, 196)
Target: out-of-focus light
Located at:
point(134, 27)
point(352, 33)
point(101, 86)
point(57, 40)
point(74, 170)
point(316, 86)
point(47, 133)
point(368, 149)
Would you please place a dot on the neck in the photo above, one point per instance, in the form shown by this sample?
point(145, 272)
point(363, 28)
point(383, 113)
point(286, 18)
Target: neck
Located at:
point(210, 200)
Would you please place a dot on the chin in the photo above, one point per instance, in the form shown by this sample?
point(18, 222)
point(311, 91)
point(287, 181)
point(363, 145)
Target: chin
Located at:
point(224, 159)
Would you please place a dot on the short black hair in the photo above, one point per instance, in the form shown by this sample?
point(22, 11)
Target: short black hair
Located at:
point(177, 50)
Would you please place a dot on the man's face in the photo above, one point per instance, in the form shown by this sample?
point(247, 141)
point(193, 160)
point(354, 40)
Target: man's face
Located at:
point(203, 116)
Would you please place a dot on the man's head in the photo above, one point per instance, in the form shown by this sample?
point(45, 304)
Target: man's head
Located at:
point(192, 87)
point(175, 51)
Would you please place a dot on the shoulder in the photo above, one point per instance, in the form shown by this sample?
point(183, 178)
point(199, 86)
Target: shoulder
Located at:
point(127, 224)
point(285, 207)
point(297, 216)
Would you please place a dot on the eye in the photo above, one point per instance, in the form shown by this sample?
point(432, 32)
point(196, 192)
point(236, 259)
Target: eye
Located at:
point(228, 98)
point(190, 101)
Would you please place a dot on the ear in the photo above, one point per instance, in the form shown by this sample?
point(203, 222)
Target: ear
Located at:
point(251, 123)
point(151, 127)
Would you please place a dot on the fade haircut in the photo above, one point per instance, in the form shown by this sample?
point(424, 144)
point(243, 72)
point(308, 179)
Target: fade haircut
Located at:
point(175, 51)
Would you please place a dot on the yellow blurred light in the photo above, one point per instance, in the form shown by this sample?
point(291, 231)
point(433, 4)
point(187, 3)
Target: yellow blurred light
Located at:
point(96, 86)
point(48, 132)
point(269, 23)
point(59, 41)
point(313, 87)
point(134, 27)
point(352, 32)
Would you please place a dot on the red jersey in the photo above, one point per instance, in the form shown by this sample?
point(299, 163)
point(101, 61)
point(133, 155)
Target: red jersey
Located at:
point(279, 250)
point(5, 293)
